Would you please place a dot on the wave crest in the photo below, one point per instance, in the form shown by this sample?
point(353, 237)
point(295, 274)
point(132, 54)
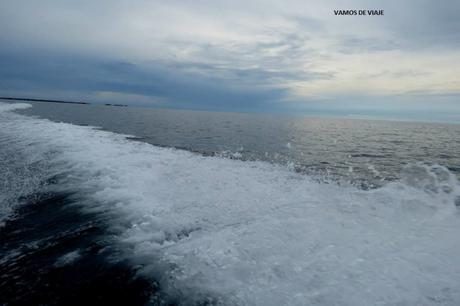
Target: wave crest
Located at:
point(7, 107)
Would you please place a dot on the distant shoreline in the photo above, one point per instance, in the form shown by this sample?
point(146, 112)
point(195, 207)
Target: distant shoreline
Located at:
point(56, 101)
point(42, 100)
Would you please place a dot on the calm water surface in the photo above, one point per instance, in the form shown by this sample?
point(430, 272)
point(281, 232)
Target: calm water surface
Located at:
point(364, 152)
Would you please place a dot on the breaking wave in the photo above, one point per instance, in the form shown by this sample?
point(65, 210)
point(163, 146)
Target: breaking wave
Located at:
point(212, 230)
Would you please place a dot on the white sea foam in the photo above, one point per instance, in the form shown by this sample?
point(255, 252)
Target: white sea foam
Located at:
point(68, 259)
point(18, 172)
point(253, 233)
point(5, 107)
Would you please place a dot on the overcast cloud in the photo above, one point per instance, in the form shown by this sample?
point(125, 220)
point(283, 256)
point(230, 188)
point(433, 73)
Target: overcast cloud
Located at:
point(234, 55)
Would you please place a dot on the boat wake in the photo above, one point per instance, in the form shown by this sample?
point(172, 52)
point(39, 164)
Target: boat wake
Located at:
point(213, 230)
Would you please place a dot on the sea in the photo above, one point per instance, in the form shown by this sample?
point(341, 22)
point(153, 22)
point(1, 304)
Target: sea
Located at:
point(107, 205)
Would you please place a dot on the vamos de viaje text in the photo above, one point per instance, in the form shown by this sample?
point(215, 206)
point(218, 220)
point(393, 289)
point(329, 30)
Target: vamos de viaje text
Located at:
point(359, 12)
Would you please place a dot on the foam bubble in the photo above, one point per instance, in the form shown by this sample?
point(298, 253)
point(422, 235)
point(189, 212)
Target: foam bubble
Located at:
point(252, 233)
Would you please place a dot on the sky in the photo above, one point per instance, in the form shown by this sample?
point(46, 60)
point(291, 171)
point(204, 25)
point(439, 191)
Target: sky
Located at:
point(255, 56)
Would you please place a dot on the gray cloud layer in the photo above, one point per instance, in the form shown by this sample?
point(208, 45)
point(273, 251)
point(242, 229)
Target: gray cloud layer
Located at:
point(257, 55)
